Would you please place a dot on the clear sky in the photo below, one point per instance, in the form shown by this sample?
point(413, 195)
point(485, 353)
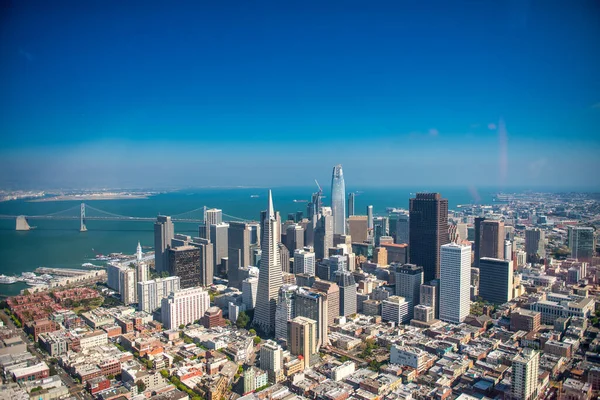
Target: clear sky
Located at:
point(148, 93)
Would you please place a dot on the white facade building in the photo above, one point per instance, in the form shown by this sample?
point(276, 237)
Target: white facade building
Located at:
point(395, 309)
point(151, 293)
point(304, 262)
point(525, 371)
point(249, 289)
point(455, 282)
point(184, 307)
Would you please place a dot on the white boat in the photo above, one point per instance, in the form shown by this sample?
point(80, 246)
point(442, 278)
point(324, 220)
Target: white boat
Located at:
point(7, 280)
point(90, 265)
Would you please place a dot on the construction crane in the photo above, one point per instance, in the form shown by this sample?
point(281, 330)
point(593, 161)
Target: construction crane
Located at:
point(319, 186)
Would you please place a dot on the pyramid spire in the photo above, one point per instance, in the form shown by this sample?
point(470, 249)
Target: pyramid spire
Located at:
point(271, 210)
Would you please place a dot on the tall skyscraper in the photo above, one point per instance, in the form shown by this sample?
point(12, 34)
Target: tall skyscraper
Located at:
point(430, 296)
point(294, 237)
point(338, 200)
point(351, 200)
point(212, 216)
point(239, 240)
point(314, 305)
point(324, 233)
point(369, 217)
point(303, 340)
point(535, 244)
point(184, 262)
point(347, 285)
point(207, 264)
point(184, 307)
point(402, 228)
point(490, 240)
point(332, 291)
point(285, 310)
point(128, 285)
point(428, 232)
point(358, 225)
point(337, 264)
point(409, 279)
point(164, 231)
point(525, 372)
point(495, 280)
point(138, 252)
point(219, 237)
point(270, 276)
point(581, 243)
point(304, 262)
point(142, 271)
point(151, 293)
point(455, 282)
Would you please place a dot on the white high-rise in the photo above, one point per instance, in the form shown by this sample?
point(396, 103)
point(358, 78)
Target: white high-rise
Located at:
point(338, 200)
point(525, 371)
point(127, 285)
point(151, 293)
point(270, 277)
point(304, 262)
point(249, 288)
point(455, 282)
point(184, 307)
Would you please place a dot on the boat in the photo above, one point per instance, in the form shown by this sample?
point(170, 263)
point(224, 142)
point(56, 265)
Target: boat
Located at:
point(90, 265)
point(300, 201)
point(254, 196)
point(7, 280)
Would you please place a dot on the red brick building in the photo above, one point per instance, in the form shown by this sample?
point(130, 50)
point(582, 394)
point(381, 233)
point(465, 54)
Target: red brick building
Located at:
point(213, 317)
point(97, 385)
point(35, 328)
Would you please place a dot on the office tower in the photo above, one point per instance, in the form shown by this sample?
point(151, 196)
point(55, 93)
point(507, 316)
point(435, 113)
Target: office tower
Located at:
point(212, 216)
point(369, 217)
point(428, 232)
point(239, 241)
point(358, 227)
point(395, 309)
point(112, 276)
point(313, 305)
point(303, 340)
point(151, 293)
point(403, 229)
point(316, 203)
point(336, 263)
point(207, 265)
point(285, 310)
point(270, 276)
point(127, 285)
point(507, 250)
point(184, 307)
point(525, 372)
point(495, 280)
point(453, 234)
point(351, 199)
point(219, 237)
point(490, 240)
point(396, 253)
point(142, 271)
point(249, 290)
point(386, 240)
point(271, 360)
point(338, 200)
point(535, 245)
point(164, 231)
point(380, 228)
point(284, 257)
point(254, 233)
point(332, 291)
point(180, 240)
point(138, 252)
point(461, 230)
point(455, 282)
point(324, 233)
point(581, 243)
point(380, 256)
point(409, 279)
point(430, 297)
point(304, 262)
point(347, 285)
point(184, 262)
point(294, 237)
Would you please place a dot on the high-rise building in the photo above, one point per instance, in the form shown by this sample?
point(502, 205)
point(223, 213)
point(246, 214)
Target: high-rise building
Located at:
point(270, 275)
point(455, 282)
point(351, 200)
point(336, 263)
point(430, 297)
point(294, 237)
point(112, 275)
point(428, 232)
point(495, 280)
point(127, 285)
point(581, 243)
point(324, 233)
point(409, 279)
point(525, 372)
point(184, 262)
point(313, 305)
point(369, 217)
point(249, 290)
point(332, 291)
point(490, 240)
point(338, 200)
point(535, 244)
point(304, 262)
point(303, 340)
point(151, 293)
point(184, 307)
point(239, 242)
point(271, 359)
point(206, 254)
point(358, 227)
point(284, 257)
point(396, 253)
point(212, 216)
point(381, 228)
point(138, 253)
point(347, 286)
point(395, 309)
point(219, 237)
point(164, 231)
point(380, 256)
point(402, 228)
point(142, 271)
point(285, 310)
point(508, 250)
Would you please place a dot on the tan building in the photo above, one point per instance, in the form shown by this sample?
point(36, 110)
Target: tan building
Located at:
point(358, 227)
point(332, 290)
point(380, 256)
point(303, 339)
point(525, 320)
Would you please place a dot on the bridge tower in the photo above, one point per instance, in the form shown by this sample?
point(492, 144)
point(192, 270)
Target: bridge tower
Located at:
point(22, 224)
point(82, 227)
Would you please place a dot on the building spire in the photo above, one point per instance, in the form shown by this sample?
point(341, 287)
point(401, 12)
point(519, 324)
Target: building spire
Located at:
point(271, 210)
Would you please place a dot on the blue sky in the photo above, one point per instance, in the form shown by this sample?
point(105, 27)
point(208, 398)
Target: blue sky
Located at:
point(108, 93)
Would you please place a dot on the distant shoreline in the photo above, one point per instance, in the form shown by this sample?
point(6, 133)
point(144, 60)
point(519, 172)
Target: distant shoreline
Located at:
point(90, 198)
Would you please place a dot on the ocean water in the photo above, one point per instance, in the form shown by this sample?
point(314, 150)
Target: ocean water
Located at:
point(58, 243)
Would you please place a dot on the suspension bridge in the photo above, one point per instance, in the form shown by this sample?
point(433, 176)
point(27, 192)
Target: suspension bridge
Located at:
point(84, 212)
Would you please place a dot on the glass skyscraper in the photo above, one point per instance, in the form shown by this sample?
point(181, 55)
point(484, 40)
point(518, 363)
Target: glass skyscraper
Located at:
point(338, 200)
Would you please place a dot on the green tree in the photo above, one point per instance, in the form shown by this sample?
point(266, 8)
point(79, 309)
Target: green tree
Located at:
point(243, 320)
point(177, 359)
point(164, 274)
point(182, 326)
point(164, 373)
point(257, 340)
point(141, 386)
point(252, 331)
